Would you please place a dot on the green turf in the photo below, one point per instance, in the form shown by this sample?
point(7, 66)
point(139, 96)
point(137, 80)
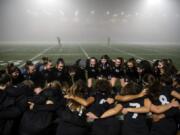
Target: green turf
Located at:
point(70, 53)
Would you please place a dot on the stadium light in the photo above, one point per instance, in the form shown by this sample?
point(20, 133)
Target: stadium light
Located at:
point(122, 13)
point(76, 13)
point(50, 3)
point(107, 12)
point(154, 2)
point(92, 12)
point(46, 2)
point(153, 6)
point(115, 15)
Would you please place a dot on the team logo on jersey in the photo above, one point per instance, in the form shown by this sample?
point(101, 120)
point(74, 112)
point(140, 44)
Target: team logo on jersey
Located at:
point(163, 99)
point(117, 70)
point(102, 101)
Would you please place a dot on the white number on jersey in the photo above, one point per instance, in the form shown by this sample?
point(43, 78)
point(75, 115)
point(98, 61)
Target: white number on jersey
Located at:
point(163, 99)
point(102, 101)
point(136, 105)
point(81, 111)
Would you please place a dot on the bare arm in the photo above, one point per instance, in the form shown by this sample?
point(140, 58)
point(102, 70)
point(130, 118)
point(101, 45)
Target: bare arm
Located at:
point(175, 94)
point(163, 108)
point(82, 101)
point(143, 109)
point(112, 111)
point(131, 97)
point(148, 106)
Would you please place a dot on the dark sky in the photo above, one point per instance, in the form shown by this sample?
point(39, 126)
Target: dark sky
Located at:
point(133, 21)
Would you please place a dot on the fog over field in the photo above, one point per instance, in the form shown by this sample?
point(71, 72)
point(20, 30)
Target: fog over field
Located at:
point(124, 21)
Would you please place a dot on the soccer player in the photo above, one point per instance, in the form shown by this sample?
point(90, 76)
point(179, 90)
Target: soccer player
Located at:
point(131, 71)
point(134, 120)
point(117, 71)
point(60, 72)
point(73, 117)
point(46, 73)
point(92, 71)
point(160, 94)
point(12, 105)
point(104, 67)
point(143, 68)
point(103, 111)
point(38, 119)
point(15, 74)
point(59, 42)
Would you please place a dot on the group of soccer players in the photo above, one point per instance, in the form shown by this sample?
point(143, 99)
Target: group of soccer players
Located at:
point(91, 97)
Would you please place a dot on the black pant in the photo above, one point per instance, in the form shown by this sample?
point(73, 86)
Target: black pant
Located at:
point(65, 128)
point(109, 126)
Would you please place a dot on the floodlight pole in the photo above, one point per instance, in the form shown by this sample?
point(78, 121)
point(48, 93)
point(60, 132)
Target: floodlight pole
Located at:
point(109, 41)
point(59, 42)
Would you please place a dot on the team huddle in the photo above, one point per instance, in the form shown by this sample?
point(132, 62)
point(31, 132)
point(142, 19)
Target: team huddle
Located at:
point(91, 97)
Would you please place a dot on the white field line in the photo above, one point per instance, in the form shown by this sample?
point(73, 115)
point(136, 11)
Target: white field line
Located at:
point(84, 52)
point(38, 55)
point(41, 53)
point(36, 61)
point(16, 62)
point(64, 54)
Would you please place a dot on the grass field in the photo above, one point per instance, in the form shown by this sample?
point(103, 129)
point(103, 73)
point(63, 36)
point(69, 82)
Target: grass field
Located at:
point(20, 53)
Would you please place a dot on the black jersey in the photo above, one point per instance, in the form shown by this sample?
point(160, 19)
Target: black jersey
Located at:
point(140, 79)
point(104, 70)
point(8, 113)
point(134, 117)
point(79, 74)
point(75, 117)
point(61, 76)
point(40, 118)
point(117, 72)
point(105, 126)
point(174, 112)
point(177, 115)
point(131, 74)
point(160, 127)
point(19, 90)
point(12, 106)
point(72, 122)
point(35, 77)
point(135, 123)
point(164, 96)
point(100, 105)
point(47, 75)
point(177, 90)
point(17, 80)
point(92, 72)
